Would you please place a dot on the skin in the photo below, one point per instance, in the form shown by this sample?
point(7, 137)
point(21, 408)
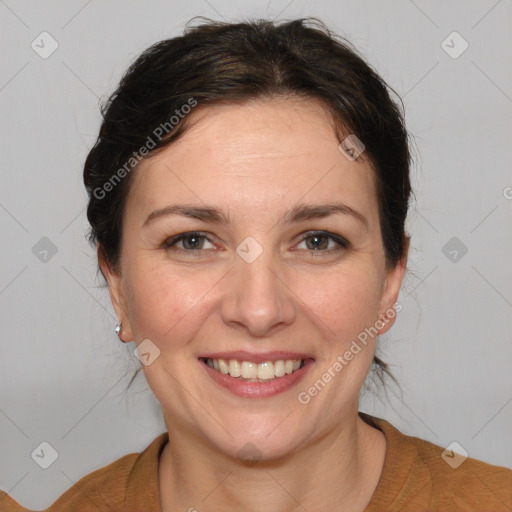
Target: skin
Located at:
point(256, 161)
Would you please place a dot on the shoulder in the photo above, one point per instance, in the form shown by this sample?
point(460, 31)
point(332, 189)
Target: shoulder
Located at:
point(457, 478)
point(120, 484)
point(418, 473)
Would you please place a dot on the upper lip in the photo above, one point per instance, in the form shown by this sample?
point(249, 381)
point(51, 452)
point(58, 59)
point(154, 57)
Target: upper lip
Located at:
point(257, 357)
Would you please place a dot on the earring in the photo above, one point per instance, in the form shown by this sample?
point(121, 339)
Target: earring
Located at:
point(118, 330)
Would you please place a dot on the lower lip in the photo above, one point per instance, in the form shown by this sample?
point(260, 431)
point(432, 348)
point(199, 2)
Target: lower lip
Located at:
point(257, 389)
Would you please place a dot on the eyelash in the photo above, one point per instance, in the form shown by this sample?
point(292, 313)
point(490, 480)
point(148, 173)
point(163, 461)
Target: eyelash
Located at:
point(342, 242)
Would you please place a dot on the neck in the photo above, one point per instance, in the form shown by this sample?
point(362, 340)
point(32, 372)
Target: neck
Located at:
point(340, 471)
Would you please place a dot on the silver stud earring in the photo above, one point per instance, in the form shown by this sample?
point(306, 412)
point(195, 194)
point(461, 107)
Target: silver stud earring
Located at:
point(118, 328)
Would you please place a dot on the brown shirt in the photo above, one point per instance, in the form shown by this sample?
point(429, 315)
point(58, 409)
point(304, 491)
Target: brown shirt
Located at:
point(415, 478)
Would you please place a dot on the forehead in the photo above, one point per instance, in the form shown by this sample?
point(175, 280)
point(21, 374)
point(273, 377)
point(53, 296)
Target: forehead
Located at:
point(260, 129)
point(254, 153)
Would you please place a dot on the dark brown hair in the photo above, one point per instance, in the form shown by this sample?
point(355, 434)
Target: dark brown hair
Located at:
point(234, 62)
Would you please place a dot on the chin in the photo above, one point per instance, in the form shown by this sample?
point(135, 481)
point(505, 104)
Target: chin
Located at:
point(257, 439)
point(251, 450)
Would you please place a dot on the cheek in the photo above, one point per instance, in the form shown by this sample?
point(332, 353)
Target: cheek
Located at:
point(164, 303)
point(169, 305)
point(346, 300)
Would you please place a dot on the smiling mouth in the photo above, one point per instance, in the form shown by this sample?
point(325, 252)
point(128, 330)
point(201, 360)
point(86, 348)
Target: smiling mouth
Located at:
point(248, 371)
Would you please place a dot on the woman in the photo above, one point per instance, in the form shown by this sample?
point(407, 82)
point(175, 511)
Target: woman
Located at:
point(248, 193)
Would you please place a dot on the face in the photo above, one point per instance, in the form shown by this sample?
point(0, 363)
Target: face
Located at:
point(264, 272)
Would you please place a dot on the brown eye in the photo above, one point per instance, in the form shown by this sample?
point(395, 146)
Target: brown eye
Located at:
point(319, 241)
point(191, 242)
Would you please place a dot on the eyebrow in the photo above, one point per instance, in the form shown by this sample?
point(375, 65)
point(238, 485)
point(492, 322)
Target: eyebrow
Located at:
point(298, 213)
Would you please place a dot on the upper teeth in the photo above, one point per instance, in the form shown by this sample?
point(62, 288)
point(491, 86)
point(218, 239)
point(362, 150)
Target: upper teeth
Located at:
point(249, 370)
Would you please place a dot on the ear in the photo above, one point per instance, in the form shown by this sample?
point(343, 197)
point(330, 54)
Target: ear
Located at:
point(115, 287)
point(388, 307)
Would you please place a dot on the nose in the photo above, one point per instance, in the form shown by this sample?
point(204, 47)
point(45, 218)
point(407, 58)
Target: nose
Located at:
point(258, 299)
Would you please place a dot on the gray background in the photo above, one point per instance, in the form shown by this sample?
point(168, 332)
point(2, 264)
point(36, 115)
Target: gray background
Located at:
point(63, 373)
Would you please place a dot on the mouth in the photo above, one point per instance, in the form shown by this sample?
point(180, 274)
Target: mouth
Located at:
point(256, 378)
point(248, 371)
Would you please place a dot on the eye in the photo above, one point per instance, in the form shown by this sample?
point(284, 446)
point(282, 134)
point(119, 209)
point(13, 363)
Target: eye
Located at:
point(320, 242)
point(191, 242)
point(316, 241)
